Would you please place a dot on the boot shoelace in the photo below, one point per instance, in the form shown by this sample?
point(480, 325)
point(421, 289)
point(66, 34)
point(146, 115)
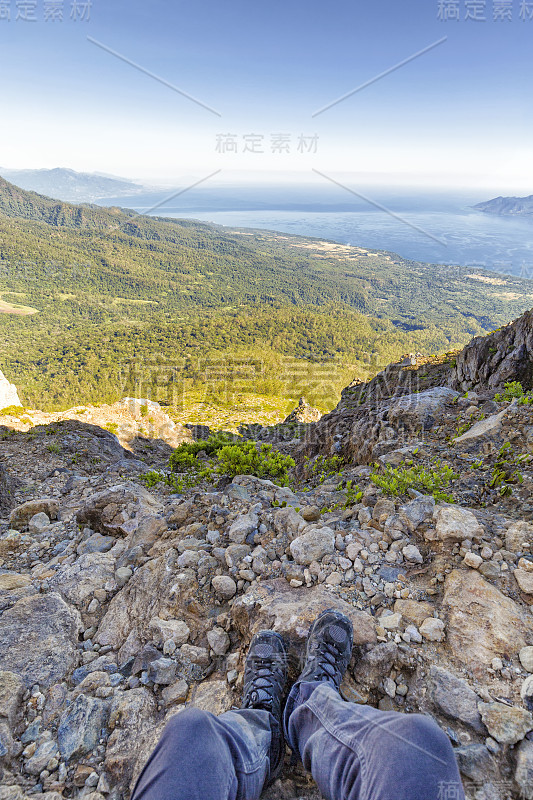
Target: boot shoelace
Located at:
point(327, 655)
point(267, 679)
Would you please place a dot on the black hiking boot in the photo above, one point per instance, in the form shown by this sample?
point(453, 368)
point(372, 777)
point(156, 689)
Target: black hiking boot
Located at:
point(265, 676)
point(329, 649)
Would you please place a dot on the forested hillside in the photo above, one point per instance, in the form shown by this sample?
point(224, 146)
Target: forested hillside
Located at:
point(85, 291)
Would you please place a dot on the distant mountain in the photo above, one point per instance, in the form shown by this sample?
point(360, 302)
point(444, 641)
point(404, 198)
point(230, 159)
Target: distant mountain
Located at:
point(508, 206)
point(22, 204)
point(70, 186)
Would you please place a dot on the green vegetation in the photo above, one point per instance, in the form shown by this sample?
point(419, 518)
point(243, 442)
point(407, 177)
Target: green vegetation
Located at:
point(397, 480)
point(161, 308)
point(12, 411)
point(222, 454)
point(512, 390)
point(246, 458)
point(506, 471)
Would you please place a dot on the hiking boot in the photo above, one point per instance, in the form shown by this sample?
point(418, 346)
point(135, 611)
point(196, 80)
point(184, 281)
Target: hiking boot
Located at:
point(265, 676)
point(265, 673)
point(329, 649)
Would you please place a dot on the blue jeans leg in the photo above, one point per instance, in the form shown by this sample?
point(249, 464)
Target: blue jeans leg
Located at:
point(203, 757)
point(357, 752)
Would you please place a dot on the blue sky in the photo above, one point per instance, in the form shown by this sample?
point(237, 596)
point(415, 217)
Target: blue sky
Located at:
point(459, 115)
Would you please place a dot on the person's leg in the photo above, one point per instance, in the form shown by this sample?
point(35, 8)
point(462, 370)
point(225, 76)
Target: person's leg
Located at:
point(202, 756)
point(230, 757)
point(357, 752)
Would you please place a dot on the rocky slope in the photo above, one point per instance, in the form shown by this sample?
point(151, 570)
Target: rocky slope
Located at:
point(121, 606)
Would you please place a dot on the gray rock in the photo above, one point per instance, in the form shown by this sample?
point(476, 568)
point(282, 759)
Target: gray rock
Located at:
point(38, 523)
point(242, 527)
point(46, 750)
point(22, 514)
point(97, 543)
point(11, 691)
point(177, 693)
point(38, 639)
point(417, 511)
point(518, 534)
point(313, 545)
point(78, 582)
point(524, 769)
point(454, 698)
point(412, 553)
point(224, 586)
point(506, 724)
point(475, 762)
point(162, 671)
point(80, 727)
point(456, 524)
point(219, 641)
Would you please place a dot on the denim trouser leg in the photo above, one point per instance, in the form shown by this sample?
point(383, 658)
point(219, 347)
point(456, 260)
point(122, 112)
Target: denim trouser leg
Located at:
point(203, 757)
point(357, 752)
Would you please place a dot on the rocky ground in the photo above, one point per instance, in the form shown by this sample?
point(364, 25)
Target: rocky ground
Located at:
point(121, 606)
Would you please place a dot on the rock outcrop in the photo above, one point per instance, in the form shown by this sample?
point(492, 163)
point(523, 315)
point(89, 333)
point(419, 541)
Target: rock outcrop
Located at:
point(8, 393)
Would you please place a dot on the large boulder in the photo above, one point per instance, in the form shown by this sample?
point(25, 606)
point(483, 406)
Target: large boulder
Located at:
point(77, 582)
point(119, 510)
point(491, 361)
point(482, 623)
point(276, 606)
point(38, 639)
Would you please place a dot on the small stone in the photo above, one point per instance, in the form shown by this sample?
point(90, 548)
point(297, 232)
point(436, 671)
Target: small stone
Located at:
point(162, 671)
point(390, 621)
point(353, 549)
point(122, 575)
point(506, 724)
point(389, 687)
point(414, 634)
point(334, 579)
point(311, 513)
point(526, 658)
point(38, 523)
point(177, 693)
point(80, 726)
point(455, 524)
point(472, 560)
point(224, 586)
point(496, 664)
point(412, 554)
point(313, 545)
point(524, 579)
point(219, 641)
point(454, 698)
point(164, 630)
point(432, 629)
point(196, 655)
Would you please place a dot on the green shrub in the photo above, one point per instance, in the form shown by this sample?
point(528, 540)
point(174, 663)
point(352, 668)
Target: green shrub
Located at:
point(397, 480)
point(112, 427)
point(12, 411)
point(53, 448)
point(184, 457)
point(245, 458)
point(512, 390)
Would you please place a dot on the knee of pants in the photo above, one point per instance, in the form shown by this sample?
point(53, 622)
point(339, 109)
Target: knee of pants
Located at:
point(424, 734)
point(186, 729)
